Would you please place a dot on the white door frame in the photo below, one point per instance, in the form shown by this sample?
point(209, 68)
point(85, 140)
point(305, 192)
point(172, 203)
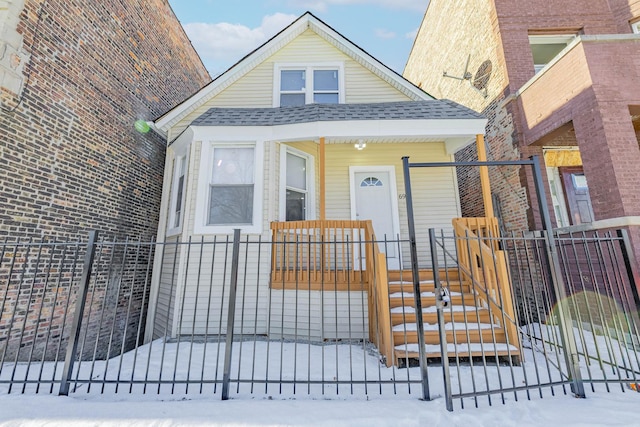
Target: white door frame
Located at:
point(393, 191)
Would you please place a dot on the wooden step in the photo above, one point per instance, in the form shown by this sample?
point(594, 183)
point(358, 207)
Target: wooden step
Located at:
point(406, 299)
point(431, 316)
point(488, 350)
point(432, 336)
point(424, 274)
point(426, 285)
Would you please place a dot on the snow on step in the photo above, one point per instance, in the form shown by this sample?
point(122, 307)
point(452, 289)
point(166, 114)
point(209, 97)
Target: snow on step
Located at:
point(423, 294)
point(460, 348)
point(433, 309)
point(412, 327)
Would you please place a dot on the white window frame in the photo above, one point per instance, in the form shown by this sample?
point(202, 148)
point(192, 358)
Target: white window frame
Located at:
point(203, 193)
point(549, 39)
point(308, 68)
point(635, 27)
point(171, 229)
point(310, 211)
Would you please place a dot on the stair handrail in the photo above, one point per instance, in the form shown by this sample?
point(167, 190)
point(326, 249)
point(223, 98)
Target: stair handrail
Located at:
point(378, 292)
point(489, 273)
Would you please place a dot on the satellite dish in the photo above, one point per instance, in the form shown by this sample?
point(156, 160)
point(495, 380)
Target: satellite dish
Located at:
point(482, 76)
point(478, 81)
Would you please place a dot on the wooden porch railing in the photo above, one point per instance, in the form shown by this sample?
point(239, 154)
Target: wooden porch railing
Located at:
point(484, 267)
point(318, 255)
point(327, 255)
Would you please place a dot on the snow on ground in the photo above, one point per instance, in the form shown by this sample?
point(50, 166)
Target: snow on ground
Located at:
point(601, 409)
point(309, 406)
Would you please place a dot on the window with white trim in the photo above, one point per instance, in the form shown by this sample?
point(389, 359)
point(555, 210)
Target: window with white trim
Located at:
point(297, 187)
point(300, 85)
point(229, 192)
point(297, 193)
point(177, 193)
point(635, 27)
point(546, 47)
point(231, 186)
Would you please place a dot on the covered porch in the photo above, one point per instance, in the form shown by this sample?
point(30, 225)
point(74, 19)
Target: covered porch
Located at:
point(348, 261)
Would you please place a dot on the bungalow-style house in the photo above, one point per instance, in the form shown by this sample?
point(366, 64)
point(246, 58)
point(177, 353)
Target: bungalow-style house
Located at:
point(302, 140)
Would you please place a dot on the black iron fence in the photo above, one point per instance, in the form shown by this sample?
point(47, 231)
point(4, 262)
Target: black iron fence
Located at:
point(204, 316)
point(570, 339)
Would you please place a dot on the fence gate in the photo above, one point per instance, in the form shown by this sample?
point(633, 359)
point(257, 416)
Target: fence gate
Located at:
point(529, 314)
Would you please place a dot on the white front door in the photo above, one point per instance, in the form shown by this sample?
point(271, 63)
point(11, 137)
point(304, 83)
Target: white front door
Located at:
point(374, 197)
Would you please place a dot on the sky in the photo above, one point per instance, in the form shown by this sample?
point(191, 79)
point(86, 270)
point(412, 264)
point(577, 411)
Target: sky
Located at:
point(224, 31)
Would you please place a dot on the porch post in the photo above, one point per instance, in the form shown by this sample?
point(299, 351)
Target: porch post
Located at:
point(322, 180)
point(484, 177)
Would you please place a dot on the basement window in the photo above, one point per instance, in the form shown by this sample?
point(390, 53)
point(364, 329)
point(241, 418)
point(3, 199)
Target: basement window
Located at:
point(546, 47)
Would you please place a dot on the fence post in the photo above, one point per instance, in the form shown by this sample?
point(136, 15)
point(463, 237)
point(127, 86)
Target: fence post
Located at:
point(441, 326)
point(629, 264)
point(231, 314)
point(72, 346)
point(564, 318)
point(415, 273)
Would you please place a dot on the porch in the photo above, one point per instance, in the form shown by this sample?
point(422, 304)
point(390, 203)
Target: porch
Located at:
point(343, 257)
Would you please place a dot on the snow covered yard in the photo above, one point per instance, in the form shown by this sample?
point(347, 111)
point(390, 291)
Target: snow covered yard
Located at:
point(309, 406)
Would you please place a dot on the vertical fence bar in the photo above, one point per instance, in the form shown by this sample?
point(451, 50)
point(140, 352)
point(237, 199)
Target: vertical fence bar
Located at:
point(235, 257)
point(564, 318)
point(416, 280)
point(441, 326)
point(17, 300)
point(26, 316)
point(634, 280)
point(72, 346)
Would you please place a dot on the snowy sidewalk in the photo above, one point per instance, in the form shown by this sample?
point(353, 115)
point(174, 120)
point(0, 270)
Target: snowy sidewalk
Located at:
point(600, 409)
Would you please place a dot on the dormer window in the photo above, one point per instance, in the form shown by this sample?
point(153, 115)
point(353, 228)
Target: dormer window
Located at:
point(300, 85)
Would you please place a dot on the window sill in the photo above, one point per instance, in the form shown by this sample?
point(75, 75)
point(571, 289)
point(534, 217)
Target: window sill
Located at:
point(227, 229)
point(173, 231)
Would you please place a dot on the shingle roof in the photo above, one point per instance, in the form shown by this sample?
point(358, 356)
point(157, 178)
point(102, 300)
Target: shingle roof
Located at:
point(410, 110)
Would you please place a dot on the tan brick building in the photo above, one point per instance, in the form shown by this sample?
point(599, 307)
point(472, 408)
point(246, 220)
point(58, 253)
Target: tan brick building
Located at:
point(75, 76)
point(558, 79)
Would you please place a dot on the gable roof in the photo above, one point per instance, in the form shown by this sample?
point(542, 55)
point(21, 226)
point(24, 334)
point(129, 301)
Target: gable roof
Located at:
point(418, 110)
point(246, 64)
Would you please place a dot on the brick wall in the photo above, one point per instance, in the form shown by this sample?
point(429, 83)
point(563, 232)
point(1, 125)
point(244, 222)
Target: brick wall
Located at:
point(72, 160)
point(471, 31)
point(498, 30)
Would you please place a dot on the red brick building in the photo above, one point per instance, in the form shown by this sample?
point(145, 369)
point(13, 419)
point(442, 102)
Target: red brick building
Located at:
point(75, 76)
point(558, 79)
